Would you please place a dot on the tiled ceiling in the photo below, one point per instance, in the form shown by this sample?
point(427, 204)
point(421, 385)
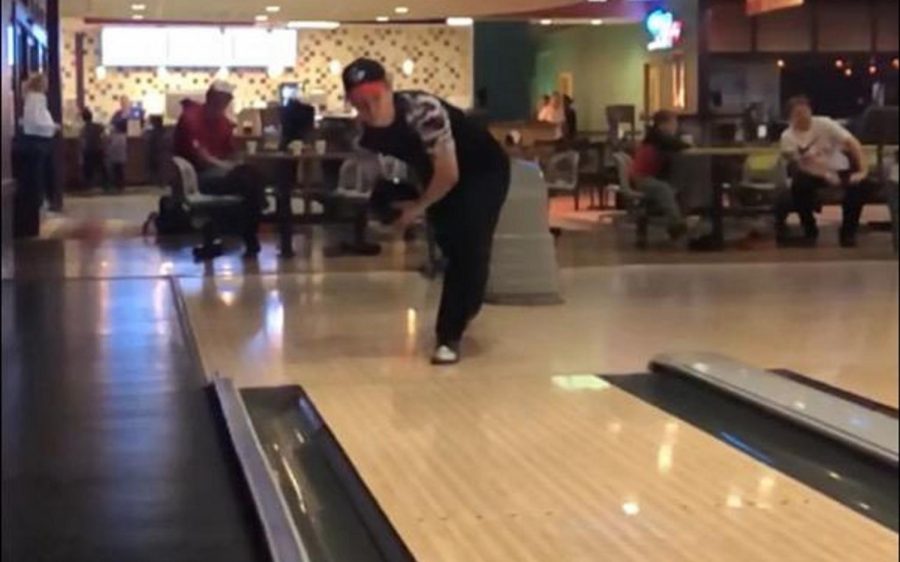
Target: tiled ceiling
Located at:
point(344, 10)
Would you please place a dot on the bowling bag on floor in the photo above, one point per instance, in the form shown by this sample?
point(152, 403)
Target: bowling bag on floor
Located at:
point(172, 218)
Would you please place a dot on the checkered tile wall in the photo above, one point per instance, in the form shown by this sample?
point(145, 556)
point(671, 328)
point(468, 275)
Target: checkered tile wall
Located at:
point(442, 57)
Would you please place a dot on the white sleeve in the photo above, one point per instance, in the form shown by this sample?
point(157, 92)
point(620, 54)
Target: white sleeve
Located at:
point(430, 120)
point(835, 131)
point(36, 118)
point(789, 145)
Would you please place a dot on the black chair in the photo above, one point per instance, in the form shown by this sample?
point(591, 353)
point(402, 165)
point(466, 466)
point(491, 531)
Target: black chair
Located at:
point(208, 213)
point(618, 117)
point(593, 172)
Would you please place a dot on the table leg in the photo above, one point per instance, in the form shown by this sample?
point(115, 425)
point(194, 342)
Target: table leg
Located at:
point(717, 218)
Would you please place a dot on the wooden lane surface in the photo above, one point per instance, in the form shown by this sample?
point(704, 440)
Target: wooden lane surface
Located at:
point(536, 470)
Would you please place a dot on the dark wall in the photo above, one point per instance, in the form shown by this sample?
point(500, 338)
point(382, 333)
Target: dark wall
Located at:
point(6, 104)
point(504, 65)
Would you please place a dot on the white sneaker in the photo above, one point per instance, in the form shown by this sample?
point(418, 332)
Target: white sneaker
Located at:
point(445, 355)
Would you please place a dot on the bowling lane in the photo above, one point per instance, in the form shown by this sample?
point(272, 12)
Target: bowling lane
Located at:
point(570, 468)
point(834, 322)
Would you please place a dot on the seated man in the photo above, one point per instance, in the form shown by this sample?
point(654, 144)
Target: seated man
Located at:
point(817, 149)
point(205, 137)
point(652, 168)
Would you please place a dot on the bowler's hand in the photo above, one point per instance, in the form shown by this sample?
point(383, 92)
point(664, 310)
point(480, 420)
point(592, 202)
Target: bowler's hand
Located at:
point(858, 177)
point(833, 179)
point(411, 211)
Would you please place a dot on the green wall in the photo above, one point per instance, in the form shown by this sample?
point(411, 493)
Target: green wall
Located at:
point(504, 62)
point(607, 64)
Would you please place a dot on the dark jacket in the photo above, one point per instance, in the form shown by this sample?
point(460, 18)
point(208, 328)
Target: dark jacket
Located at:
point(654, 157)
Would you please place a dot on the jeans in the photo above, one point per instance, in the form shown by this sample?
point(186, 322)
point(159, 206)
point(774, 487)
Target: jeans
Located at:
point(662, 197)
point(464, 224)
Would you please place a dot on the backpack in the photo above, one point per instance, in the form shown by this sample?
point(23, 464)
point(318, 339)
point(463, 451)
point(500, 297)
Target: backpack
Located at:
point(172, 218)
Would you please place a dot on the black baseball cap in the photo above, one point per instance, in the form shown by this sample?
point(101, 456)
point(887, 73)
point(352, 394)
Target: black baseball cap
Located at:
point(363, 71)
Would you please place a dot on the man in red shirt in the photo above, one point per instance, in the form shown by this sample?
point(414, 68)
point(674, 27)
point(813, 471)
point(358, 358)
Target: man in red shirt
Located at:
point(652, 165)
point(205, 137)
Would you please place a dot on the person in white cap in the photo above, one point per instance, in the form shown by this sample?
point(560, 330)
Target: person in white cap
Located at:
point(205, 137)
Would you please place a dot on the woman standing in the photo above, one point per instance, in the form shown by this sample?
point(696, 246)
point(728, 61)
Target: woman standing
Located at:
point(36, 173)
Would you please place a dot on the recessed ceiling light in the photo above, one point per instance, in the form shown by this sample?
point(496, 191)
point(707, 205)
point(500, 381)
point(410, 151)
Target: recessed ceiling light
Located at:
point(313, 24)
point(273, 9)
point(138, 7)
point(262, 18)
point(596, 22)
point(382, 19)
point(137, 17)
point(546, 22)
point(460, 22)
point(401, 10)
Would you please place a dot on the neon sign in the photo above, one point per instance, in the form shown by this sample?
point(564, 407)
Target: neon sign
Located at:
point(665, 30)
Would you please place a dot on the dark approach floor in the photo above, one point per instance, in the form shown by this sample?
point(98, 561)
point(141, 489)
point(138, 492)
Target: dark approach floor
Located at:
point(111, 448)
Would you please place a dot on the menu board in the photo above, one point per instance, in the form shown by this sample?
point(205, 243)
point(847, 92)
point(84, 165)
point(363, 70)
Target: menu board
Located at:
point(756, 7)
point(198, 47)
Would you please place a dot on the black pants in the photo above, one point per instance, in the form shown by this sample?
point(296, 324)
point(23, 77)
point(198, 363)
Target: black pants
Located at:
point(94, 169)
point(804, 200)
point(464, 224)
point(118, 175)
point(34, 170)
point(245, 182)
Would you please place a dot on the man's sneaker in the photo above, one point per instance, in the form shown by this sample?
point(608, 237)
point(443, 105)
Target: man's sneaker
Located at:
point(445, 355)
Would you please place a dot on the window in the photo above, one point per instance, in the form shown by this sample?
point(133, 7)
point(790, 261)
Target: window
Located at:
point(133, 46)
point(198, 47)
point(251, 47)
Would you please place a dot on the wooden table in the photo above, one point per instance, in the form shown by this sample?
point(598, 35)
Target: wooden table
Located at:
point(281, 169)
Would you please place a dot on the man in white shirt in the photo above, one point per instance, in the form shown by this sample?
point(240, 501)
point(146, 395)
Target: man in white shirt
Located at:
point(821, 153)
point(37, 145)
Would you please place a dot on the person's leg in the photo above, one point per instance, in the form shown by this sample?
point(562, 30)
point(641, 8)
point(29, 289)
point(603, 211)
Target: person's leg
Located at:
point(242, 181)
point(465, 229)
point(119, 176)
point(87, 169)
point(452, 313)
point(784, 206)
point(482, 228)
point(855, 198)
point(662, 196)
point(805, 192)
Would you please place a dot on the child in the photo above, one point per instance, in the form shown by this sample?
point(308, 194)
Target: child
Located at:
point(92, 151)
point(155, 143)
point(117, 153)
